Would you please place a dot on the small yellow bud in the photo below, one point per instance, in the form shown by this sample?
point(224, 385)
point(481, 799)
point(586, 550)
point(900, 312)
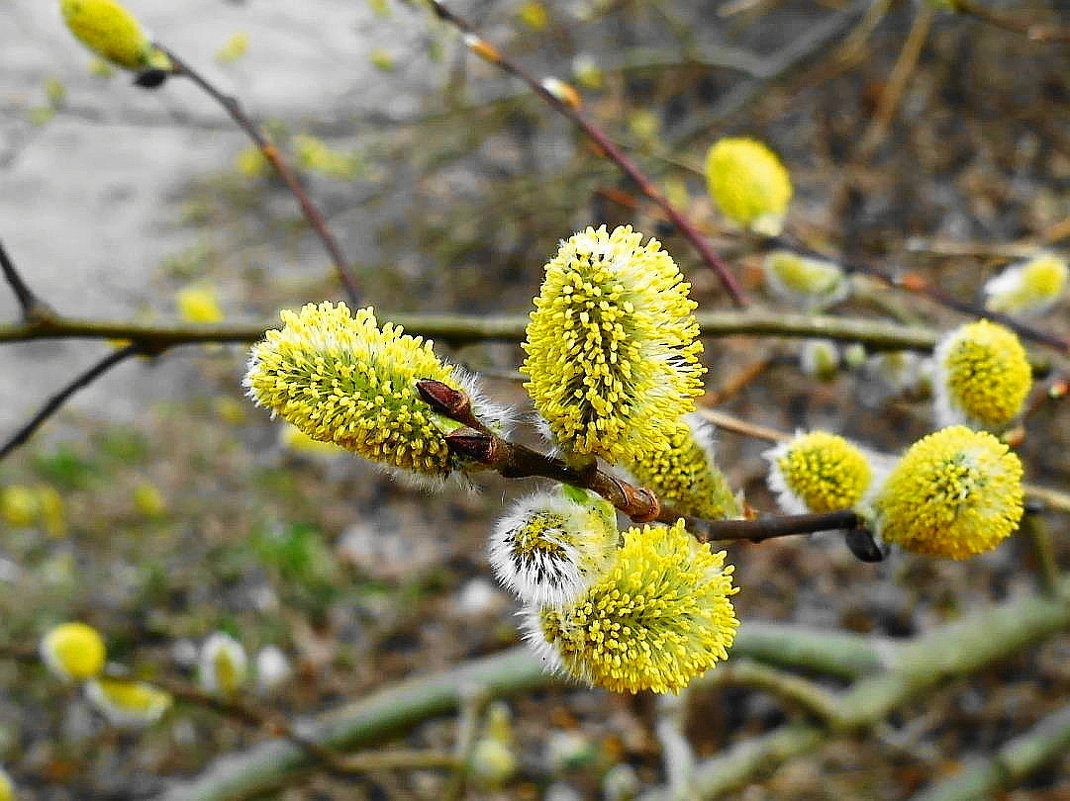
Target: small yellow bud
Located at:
point(149, 501)
point(534, 15)
point(382, 59)
point(749, 184)
point(133, 704)
point(587, 72)
point(955, 493)
point(113, 33)
point(815, 283)
point(19, 505)
point(199, 304)
point(73, 651)
point(223, 666)
point(982, 375)
point(234, 48)
point(1028, 288)
point(251, 162)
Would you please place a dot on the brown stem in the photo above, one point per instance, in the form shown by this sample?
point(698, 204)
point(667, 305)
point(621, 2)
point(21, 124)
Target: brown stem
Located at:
point(513, 460)
point(274, 157)
point(610, 149)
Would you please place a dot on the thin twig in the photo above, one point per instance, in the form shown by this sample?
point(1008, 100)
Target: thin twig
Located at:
point(918, 285)
point(1047, 569)
point(1037, 32)
point(513, 460)
point(493, 56)
point(33, 308)
point(463, 329)
point(56, 401)
point(274, 157)
point(246, 712)
point(897, 81)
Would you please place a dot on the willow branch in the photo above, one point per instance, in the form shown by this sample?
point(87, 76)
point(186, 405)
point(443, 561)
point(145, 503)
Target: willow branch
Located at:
point(916, 284)
point(1037, 32)
point(468, 329)
point(271, 153)
point(805, 695)
point(1048, 740)
point(611, 150)
point(509, 459)
point(55, 403)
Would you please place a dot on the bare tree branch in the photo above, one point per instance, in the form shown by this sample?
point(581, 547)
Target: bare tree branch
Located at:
point(319, 225)
point(611, 150)
point(56, 402)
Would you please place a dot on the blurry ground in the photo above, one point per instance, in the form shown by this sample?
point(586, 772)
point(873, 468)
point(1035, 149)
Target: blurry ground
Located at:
point(450, 189)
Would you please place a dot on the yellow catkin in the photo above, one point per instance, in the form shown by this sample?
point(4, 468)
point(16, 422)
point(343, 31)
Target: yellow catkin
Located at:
point(818, 472)
point(73, 651)
point(955, 493)
point(749, 184)
point(658, 618)
point(684, 474)
point(982, 375)
point(128, 703)
point(340, 378)
point(112, 32)
point(612, 349)
point(1031, 287)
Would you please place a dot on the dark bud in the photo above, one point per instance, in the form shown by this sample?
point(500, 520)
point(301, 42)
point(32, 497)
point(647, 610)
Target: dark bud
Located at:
point(443, 398)
point(863, 546)
point(151, 79)
point(474, 444)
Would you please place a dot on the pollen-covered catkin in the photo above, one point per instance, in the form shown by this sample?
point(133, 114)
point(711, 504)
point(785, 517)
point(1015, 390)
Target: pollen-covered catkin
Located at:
point(612, 349)
point(659, 617)
point(955, 493)
point(341, 378)
point(982, 376)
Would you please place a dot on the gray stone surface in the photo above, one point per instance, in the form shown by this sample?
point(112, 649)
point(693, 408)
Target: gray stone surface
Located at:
point(90, 202)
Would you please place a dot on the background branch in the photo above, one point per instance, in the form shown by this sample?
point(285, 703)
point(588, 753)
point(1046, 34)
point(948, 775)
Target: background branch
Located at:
point(271, 153)
point(55, 403)
point(462, 329)
point(609, 148)
point(892, 674)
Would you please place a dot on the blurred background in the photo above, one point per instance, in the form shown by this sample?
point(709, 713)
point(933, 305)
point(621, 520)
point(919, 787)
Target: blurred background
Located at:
point(164, 507)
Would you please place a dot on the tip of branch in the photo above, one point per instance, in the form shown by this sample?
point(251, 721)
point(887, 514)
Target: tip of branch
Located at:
point(444, 399)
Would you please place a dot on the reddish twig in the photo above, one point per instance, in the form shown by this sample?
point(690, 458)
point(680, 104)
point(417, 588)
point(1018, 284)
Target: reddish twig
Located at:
point(1031, 30)
point(274, 157)
point(611, 150)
